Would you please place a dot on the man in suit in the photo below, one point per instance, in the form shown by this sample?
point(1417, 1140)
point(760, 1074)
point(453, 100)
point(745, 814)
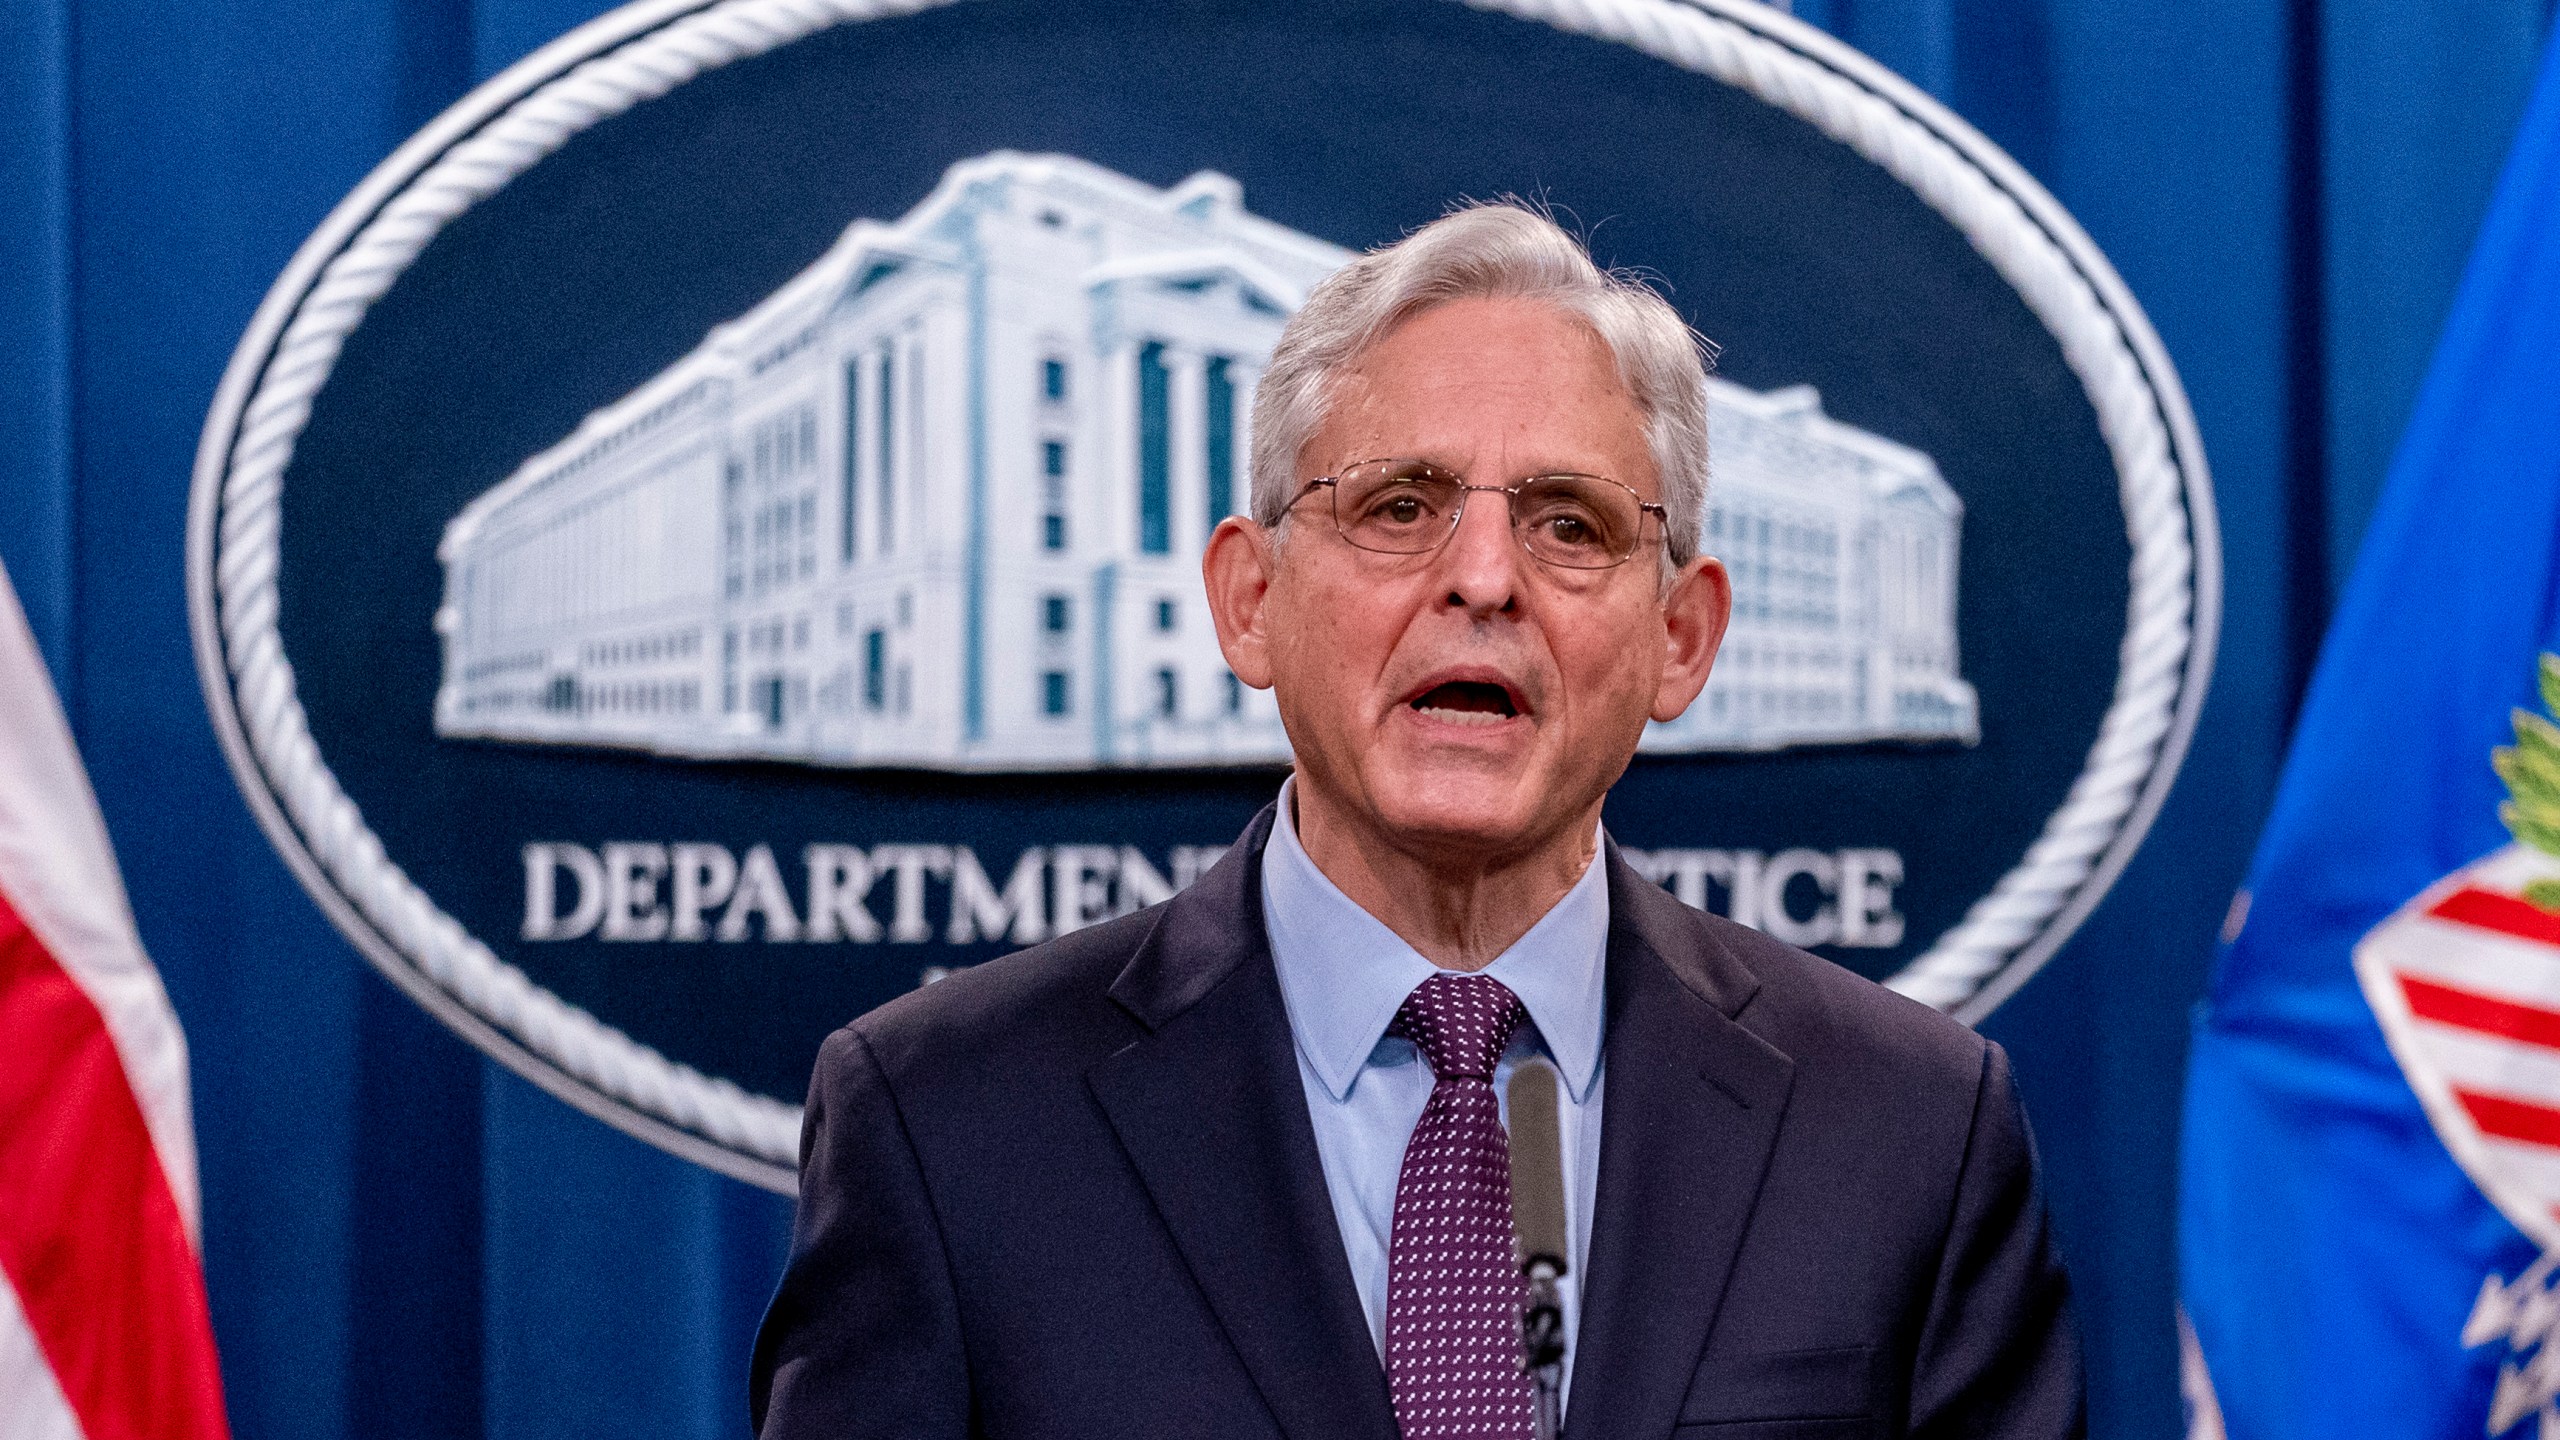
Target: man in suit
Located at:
point(1234, 1166)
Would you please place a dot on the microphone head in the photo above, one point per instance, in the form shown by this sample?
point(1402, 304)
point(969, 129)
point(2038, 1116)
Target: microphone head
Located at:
point(1537, 1167)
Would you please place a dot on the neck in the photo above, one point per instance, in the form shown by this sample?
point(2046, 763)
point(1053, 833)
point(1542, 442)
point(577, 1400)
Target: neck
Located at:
point(1459, 907)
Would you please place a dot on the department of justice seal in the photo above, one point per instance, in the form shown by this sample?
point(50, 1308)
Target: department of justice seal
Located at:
point(706, 537)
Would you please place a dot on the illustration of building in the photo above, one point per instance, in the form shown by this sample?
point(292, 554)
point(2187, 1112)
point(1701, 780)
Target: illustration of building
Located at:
point(1842, 549)
point(939, 503)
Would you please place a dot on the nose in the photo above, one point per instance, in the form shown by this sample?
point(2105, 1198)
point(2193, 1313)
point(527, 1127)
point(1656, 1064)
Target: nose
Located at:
point(1482, 561)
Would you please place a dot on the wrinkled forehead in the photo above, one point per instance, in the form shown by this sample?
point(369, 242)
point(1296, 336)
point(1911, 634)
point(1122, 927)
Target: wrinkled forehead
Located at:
point(1516, 385)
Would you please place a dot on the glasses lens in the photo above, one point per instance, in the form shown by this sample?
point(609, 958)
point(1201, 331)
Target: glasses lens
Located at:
point(1398, 507)
point(1578, 521)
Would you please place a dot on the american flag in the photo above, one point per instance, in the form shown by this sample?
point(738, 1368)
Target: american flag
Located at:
point(103, 1327)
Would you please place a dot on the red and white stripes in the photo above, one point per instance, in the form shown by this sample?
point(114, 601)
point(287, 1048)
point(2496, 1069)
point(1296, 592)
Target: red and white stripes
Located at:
point(2465, 981)
point(103, 1327)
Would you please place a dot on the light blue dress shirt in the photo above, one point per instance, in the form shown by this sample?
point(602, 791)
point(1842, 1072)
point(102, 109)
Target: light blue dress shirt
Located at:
point(1344, 974)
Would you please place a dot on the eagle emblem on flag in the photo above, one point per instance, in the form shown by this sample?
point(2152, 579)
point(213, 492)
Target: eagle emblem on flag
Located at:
point(2465, 980)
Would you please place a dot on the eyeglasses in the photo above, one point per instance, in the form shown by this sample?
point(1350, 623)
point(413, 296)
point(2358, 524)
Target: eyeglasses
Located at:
point(1412, 507)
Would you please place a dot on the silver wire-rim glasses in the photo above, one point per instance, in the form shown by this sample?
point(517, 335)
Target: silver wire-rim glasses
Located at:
point(1412, 507)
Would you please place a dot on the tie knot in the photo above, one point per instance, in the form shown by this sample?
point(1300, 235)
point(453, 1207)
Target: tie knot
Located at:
point(1462, 1023)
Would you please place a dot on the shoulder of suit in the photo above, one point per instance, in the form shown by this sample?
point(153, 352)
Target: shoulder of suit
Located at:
point(1050, 997)
point(1818, 1011)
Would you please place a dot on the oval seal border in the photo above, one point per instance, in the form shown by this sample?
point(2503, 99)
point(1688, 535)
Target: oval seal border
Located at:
point(647, 49)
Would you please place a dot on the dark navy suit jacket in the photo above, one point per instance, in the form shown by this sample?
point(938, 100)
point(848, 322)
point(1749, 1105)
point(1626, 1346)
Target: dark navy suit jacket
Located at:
point(1075, 1193)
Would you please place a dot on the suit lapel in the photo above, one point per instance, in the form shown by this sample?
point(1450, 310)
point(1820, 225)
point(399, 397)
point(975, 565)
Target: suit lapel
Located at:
point(1209, 1108)
point(1692, 1111)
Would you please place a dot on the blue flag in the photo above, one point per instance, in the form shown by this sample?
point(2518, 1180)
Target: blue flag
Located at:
point(2370, 1216)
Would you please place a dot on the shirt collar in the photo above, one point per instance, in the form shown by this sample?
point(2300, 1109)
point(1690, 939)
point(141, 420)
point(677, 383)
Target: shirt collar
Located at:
point(1343, 973)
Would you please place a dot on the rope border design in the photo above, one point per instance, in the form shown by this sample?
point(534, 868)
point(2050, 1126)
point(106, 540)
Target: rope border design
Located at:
point(2153, 664)
point(644, 51)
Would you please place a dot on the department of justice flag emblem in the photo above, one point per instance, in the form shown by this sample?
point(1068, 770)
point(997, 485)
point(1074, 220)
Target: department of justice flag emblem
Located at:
point(2465, 980)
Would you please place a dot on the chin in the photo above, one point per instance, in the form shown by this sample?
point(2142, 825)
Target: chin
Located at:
point(1462, 808)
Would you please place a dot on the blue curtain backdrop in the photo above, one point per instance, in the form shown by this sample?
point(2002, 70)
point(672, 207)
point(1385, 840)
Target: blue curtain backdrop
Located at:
point(402, 1239)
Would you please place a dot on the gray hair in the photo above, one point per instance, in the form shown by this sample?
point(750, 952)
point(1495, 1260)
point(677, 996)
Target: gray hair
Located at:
point(1487, 251)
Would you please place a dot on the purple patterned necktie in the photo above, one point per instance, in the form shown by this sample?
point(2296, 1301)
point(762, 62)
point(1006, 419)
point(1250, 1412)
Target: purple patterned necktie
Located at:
point(1453, 1286)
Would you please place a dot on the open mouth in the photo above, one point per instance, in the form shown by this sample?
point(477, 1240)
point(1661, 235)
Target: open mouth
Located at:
point(1466, 702)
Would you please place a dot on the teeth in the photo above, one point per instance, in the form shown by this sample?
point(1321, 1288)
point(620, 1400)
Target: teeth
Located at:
point(1461, 717)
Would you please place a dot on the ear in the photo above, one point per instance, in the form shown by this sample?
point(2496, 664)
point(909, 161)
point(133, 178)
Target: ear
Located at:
point(1237, 568)
point(1693, 621)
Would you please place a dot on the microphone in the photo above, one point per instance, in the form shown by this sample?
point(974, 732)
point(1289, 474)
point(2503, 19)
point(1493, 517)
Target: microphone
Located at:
point(1539, 1233)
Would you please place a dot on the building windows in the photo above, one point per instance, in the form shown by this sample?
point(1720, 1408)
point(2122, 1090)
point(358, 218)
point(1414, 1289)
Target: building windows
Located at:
point(733, 558)
point(1054, 614)
point(1053, 380)
point(1053, 494)
point(1222, 438)
point(1165, 615)
point(783, 457)
point(1168, 693)
point(1053, 692)
point(875, 669)
point(1785, 567)
point(1155, 452)
point(915, 413)
point(852, 453)
point(886, 481)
